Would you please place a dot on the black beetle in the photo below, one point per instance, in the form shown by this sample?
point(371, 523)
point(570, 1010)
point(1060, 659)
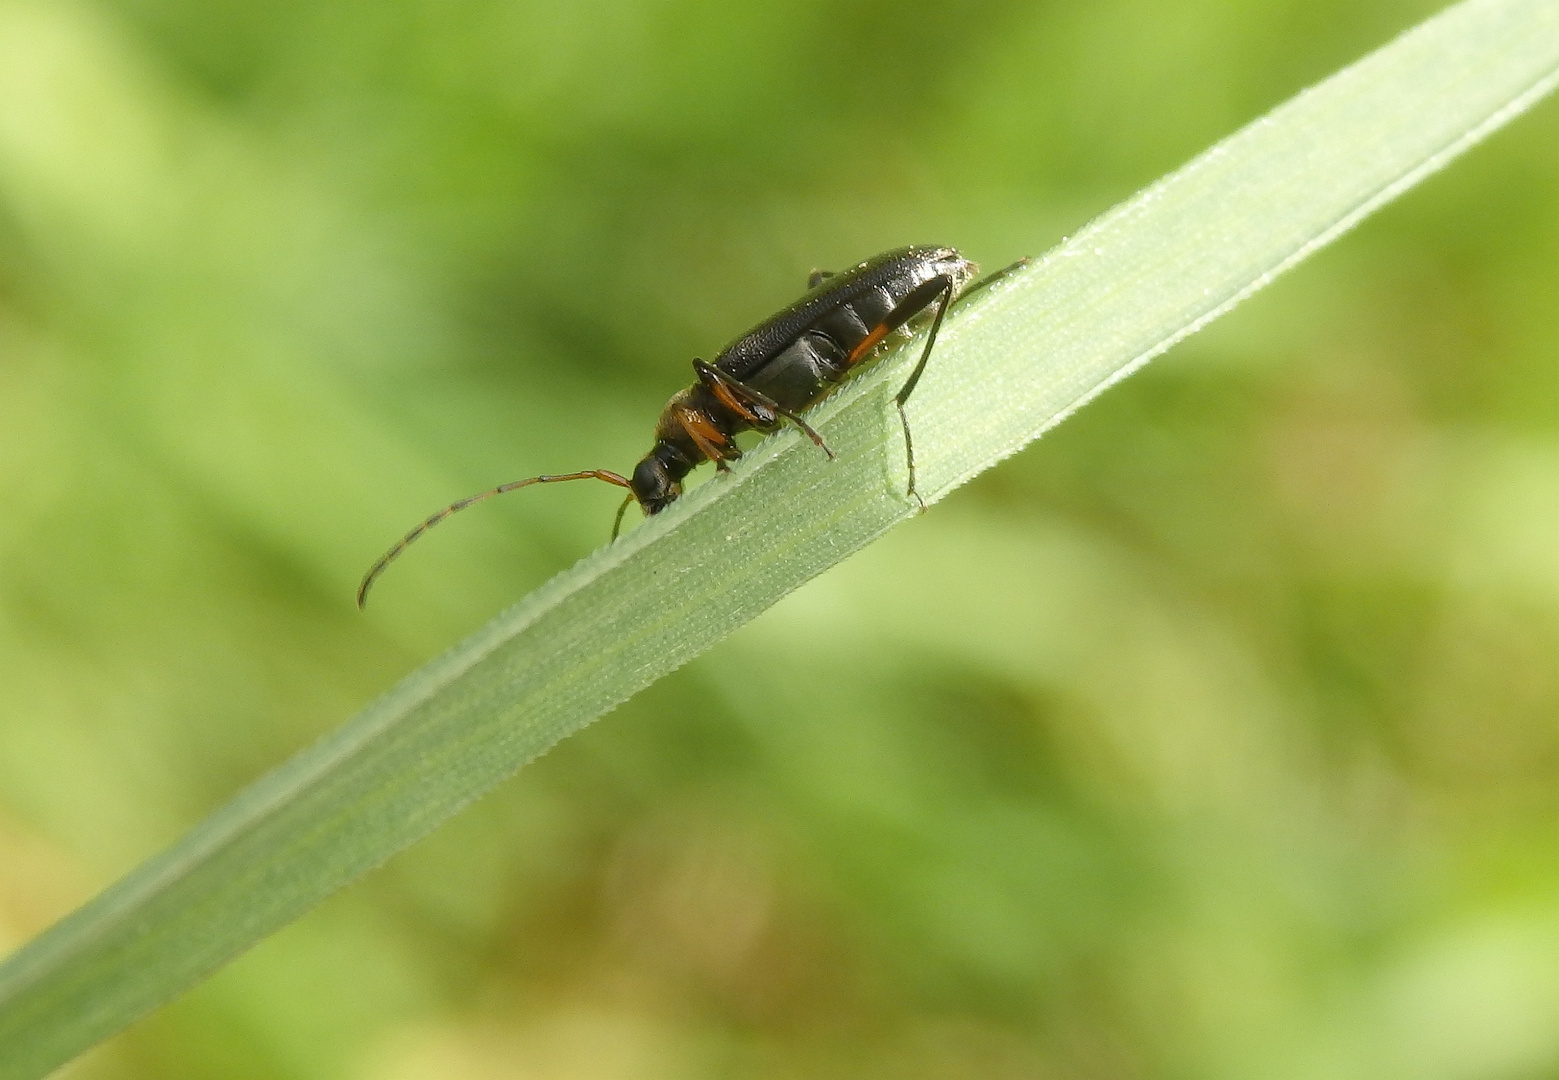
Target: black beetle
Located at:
point(770, 375)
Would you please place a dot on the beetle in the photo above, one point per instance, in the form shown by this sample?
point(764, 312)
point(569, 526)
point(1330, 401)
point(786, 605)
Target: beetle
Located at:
point(769, 375)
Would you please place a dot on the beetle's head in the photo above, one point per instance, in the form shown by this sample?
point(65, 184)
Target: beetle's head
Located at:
point(655, 486)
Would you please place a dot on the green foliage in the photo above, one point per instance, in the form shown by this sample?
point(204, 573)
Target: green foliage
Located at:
point(1119, 762)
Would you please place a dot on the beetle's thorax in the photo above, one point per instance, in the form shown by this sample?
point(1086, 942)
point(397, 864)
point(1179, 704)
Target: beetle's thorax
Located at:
point(698, 424)
point(695, 426)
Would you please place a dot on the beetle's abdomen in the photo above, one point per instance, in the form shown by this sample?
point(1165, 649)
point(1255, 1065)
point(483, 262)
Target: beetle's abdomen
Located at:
point(801, 372)
point(843, 310)
point(854, 320)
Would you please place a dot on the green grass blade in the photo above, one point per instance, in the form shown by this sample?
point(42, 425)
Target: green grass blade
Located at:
point(1013, 361)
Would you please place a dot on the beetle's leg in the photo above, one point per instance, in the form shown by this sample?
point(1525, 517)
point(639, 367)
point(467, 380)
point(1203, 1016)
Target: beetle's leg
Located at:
point(747, 402)
point(617, 522)
point(713, 443)
point(918, 300)
point(817, 277)
point(909, 387)
point(945, 288)
point(939, 288)
point(743, 400)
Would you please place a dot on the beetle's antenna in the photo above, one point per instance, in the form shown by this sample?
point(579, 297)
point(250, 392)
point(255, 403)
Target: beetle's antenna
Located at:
point(617, 525)
point(389, 556)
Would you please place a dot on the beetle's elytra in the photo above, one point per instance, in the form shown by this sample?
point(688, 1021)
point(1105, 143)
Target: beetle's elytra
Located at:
point(770, 375)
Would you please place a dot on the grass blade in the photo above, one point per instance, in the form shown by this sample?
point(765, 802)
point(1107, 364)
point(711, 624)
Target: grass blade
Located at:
point(1012, 362)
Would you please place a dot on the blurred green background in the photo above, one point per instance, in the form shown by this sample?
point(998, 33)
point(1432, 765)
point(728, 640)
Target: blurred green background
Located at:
point(1217, 735)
